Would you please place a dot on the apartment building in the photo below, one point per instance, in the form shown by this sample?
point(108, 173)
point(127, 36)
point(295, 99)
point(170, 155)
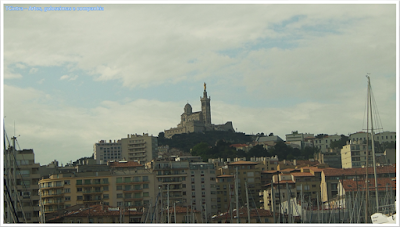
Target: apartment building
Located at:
point(381, 137)
point(305, 182)
point(143, 148)
point(225, 193)
point(324, 144)
point(22, 188)
point(330, 178)
point(120, 188)
point(246, 172)
point(107, 151)
point(355, 155)
point(301, 139)
point(203, 188)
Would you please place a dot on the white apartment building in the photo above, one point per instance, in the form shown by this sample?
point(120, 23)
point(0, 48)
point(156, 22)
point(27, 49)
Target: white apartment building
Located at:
point(379, 137)
point(135, 147)
point(304, 139)
point(107, 151)
point(324, 143)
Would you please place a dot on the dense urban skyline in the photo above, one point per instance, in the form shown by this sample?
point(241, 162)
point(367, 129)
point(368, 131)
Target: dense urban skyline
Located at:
point(73, 78)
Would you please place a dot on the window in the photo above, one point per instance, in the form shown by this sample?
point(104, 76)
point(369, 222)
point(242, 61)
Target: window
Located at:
point(119, 187)
point(137, 187)
point(105, 188)
point(79, 197)
point(67, 182)
point(105, 180)
point(78, 189)
point(127, 187)
point(105, 196)
point(119, 179)
point(87, 181)
point(67, 198)
point(119, 195)
point(145, 186)
point(145, 178)
point(145, 194)
point(67, 190)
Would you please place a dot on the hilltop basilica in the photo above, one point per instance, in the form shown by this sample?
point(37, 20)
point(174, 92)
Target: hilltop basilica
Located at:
point(198, 121)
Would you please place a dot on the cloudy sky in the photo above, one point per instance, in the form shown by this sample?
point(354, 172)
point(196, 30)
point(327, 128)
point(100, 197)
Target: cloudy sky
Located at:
point(73, 78)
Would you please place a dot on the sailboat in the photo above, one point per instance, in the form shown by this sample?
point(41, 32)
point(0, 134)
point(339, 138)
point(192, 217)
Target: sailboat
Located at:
point(378, 217)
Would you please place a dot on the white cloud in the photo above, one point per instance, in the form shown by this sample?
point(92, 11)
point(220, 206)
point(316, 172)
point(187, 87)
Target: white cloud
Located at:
point(33, 70)
point(69, 78)
point(64, 77)
point(159, 46)
point(41, 81)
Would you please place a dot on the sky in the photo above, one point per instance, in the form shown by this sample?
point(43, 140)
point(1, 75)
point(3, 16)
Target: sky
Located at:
point(72, 78)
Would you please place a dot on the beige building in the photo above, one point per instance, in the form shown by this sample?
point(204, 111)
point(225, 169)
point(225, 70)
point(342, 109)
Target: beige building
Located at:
point(330, 178)
point(22, 190)
point(197, 121)
point(247, 173)
point(143, 148)
point(354, 155)
point(131, 186)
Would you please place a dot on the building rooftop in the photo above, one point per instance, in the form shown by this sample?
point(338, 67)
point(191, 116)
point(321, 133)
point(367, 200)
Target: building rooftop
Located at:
point(351, 184)
point(124, 164)
point(243, 163)
point(96, 211)
point(359, 171)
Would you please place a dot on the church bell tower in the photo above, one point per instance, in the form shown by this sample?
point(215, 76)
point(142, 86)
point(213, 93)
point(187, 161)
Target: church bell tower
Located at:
point(205, 107)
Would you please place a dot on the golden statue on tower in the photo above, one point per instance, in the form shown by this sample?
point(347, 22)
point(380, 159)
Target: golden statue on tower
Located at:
point(204, 86)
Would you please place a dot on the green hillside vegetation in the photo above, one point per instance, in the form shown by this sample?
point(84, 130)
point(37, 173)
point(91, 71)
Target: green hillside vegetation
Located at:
point(187, 141)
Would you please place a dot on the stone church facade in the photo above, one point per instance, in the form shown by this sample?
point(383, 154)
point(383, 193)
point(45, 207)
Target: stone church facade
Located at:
point(198, 121)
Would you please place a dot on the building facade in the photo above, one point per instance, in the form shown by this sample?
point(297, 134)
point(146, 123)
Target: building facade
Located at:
point(21, 186)
point(143, 148)
point(104, 152)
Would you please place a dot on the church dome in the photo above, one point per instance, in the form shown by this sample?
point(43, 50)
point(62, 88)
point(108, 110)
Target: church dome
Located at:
point(188, 109)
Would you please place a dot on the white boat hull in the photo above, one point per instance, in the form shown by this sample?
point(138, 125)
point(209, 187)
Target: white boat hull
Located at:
point(379, 218)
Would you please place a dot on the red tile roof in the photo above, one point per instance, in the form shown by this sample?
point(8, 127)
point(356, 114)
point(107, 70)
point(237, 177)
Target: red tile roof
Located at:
point(359, 171)
point(351, 185)
point(302, 174)
point(95, 211)
point(125, 164)
point(270, 171)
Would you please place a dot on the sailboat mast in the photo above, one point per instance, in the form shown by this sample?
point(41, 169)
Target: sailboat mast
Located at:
point(373, 144)
point(366, 160)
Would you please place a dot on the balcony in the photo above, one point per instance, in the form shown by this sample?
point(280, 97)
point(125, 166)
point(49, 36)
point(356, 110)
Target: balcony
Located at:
point(92, 192)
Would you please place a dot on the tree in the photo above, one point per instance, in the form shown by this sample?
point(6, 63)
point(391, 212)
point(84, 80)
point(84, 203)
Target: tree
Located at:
point(339, 143)
point(202, 150)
